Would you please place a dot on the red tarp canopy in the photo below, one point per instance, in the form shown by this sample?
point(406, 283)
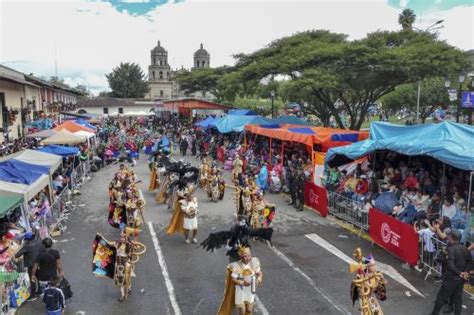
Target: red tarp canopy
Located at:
point(193, 104)
point(310, 136)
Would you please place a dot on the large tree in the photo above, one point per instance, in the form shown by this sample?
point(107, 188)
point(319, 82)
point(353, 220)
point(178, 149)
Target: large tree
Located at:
point(406, 19)
point(432, 95)
point(203, 80)
point(333, 76)
point(127, 81)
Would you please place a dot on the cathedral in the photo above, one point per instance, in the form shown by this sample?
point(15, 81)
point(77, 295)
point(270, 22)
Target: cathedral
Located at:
point(161, 78)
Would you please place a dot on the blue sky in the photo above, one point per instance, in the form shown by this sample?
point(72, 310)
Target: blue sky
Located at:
point(90, 37)
point(136, 7)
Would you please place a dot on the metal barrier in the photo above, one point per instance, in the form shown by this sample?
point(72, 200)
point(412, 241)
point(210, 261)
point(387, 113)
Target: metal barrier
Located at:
point(79, 173)
point(430, 248)
point(348, 210)
point(58, 207)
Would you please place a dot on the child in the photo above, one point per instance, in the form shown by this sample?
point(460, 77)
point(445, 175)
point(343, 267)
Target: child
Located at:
point(54, 298)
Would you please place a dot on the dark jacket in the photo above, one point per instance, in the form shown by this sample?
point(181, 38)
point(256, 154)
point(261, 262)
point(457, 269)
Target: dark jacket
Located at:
point(29, 251)
point(459, 259)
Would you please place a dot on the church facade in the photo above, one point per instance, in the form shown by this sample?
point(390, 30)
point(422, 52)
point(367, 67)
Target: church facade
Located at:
point(161, 78)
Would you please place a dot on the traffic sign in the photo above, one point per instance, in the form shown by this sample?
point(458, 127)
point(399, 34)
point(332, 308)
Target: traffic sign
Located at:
point(467, 99)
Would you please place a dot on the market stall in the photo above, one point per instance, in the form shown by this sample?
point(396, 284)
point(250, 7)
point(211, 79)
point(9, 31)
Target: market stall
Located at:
point(64, 137)
point(59, 150)
point(42, 134)
point(237, 123)
point(14, 280)
point(52, 161)
point(72, 127)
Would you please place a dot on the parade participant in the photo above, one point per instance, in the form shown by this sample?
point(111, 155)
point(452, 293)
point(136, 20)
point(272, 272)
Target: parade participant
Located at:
point(258, 216)
point(242, 278)
point(123, 266)
point(204, 170)
point(369, 285)
point(185, 208)
point(236, 237)
point(299, 182)
point(190, 209)
point(237, 165)
point(213, 189)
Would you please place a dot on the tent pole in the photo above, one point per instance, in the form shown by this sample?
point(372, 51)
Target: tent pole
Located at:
point(270, 143)
point(282, 152)
point(469, 199)
point(443, 187)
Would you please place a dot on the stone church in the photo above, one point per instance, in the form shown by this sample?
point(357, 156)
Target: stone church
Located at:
point(161, 78)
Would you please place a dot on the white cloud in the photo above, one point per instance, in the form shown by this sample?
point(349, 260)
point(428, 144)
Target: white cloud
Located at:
point(134, 1)
point(93, 37)
point(403, 3)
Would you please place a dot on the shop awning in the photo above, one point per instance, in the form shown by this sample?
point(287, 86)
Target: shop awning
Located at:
point(42, 134)
point(52, 161)
point(64, 137)
point(27, 191)
point(237, 123)
point(72, 127)
point(14, 171)
point(206, 123)
point(59, 150)
point(310, 136)
point(8, 202)
point(293, 120)
point(448, 142)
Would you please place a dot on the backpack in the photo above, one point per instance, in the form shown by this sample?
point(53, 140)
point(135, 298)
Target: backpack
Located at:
point(52, 299)
point(66, 288)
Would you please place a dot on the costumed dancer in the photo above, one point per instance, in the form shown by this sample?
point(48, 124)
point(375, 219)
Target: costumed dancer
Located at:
point(236, 237)
point(262, 212)
point(237, 165)
point(242, 279)
point(123, 265)
point(204, 170)
point(184, 219)
point(369, 285)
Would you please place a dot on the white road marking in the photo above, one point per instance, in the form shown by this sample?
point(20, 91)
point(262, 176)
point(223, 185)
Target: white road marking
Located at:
point(260, 306)
point(164, 270)
point(341, 309)
point(385, 269)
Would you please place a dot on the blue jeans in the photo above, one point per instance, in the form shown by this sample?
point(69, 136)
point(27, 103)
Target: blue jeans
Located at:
point(54, 312)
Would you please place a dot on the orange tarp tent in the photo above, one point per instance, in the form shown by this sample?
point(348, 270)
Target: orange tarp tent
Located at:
point(310, 136)
point(72, 127)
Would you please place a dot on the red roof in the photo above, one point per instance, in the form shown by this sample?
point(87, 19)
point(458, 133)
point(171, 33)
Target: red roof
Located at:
point(194, 104)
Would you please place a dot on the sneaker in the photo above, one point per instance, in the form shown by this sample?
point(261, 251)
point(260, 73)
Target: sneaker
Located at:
point(418, 268)
point(32, 298)
point(187, 241)
point(437, 279)
point(195, 241)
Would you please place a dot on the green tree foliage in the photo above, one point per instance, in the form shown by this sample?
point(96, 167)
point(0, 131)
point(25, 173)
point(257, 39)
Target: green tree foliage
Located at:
point(127, 81)
point(331, 76)
point(433, 94)
point(204, 80)
point(83, 89)
point(406, 19)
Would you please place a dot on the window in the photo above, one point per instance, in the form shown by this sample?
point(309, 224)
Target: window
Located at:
point(161, 93)
point(153, 74)
point(161, 62)
point(120, 110)
point(197, 64)
point(161, 74)
point(203, 63)
point(106, 110)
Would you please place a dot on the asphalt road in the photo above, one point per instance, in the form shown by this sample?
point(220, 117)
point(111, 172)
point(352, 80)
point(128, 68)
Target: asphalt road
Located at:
point(301, 275)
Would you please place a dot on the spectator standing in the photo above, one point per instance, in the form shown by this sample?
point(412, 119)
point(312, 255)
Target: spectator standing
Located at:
point(458, 260)
point(30, 250)
point(449, 207)
point(47, 264)
point(53, 297)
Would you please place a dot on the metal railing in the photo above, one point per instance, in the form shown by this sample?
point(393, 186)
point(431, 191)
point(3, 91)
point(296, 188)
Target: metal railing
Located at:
point(429, 249)
point(348, 210)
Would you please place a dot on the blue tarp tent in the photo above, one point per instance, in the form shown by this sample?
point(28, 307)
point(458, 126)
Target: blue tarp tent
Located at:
point(206, 123)
point(42, 124)
point(59, 150)
point(14, 171)
point(85, 123)
point(242, 112)
point(293, 120)
point(237, 123)
point(447, 142)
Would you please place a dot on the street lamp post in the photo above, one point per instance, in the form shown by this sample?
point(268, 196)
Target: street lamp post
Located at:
point(461, 78)
point(272, 94)
point(429, 28)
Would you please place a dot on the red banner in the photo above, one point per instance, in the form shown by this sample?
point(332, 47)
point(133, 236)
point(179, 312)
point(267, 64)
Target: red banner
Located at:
point(395, 236)
point(316, 197)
